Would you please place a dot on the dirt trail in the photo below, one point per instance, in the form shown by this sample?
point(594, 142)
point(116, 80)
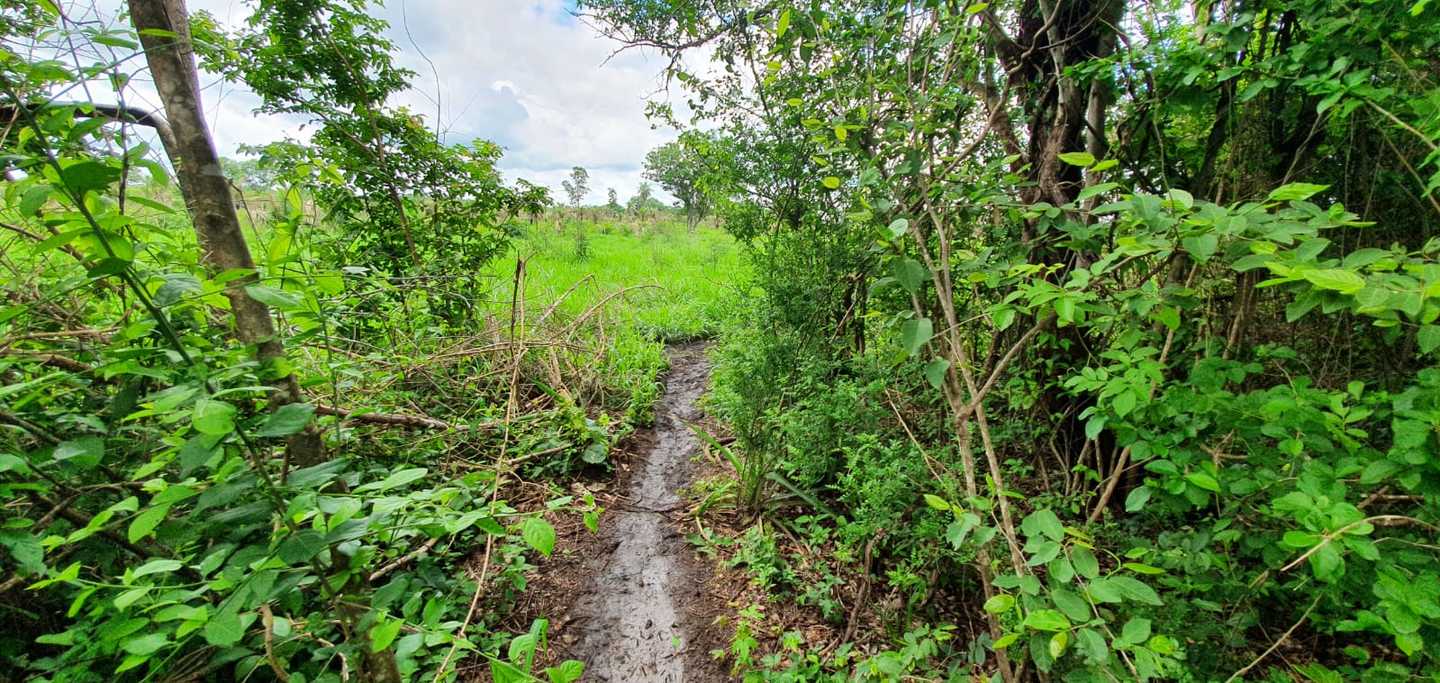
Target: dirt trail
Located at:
point(640, 617)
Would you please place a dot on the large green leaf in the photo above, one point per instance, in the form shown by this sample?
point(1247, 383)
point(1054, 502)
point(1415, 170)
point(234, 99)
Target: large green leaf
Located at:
point(216, 418)
point(915, 333)
point(1047, 620)
point(383, 633)
point(288, 419)
point(1043, 523)
point(539, 535)
point(1335, 279)
point(85, 451)
point(224, 629)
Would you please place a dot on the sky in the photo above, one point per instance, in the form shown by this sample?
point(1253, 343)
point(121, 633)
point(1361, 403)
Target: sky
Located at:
point(525, 74)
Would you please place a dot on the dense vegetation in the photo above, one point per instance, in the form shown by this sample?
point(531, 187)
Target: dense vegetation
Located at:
point(300, 426)
point(1114, 320)
point(1080, 340)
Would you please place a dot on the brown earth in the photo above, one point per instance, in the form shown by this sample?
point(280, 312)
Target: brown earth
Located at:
point(634, 602)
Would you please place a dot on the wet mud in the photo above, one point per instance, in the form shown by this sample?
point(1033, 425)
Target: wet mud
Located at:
point(637, 617)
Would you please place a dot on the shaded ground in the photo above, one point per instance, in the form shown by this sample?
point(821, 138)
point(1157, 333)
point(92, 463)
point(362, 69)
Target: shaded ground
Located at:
point(634, 602)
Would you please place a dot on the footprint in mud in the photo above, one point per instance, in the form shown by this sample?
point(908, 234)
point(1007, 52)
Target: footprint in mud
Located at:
point(631, 614)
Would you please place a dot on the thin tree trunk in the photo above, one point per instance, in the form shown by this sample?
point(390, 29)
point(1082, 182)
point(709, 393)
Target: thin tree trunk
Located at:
point(165, 34)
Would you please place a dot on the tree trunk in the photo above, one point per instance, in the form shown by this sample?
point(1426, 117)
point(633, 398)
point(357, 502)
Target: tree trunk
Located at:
point(164, 31)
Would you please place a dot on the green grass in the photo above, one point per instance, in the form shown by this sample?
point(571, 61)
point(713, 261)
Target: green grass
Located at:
point(659, 280)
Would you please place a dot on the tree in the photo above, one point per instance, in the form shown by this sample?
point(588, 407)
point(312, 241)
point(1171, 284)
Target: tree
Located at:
point(407, 201)
point(612, 202)
point(643, 202)
point(531, 199)
point(1032, 206)
point(250, 174)
point(678, 167)
point(164, 31)
point(577, 186)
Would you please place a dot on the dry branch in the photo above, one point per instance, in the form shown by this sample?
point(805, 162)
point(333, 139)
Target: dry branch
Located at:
point(396, 419)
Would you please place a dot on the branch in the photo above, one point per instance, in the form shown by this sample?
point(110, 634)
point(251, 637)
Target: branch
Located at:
point(395, 419)
point(112, 112)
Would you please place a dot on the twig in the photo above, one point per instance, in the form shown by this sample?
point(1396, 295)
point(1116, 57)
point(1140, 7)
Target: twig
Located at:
point(403, 560)
point(1283, 637)
point(395, 419)
point(267, 619)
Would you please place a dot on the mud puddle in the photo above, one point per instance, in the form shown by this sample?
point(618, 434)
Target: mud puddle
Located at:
point(641, 612)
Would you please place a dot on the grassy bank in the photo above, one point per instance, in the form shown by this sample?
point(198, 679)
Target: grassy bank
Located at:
point(657, 279)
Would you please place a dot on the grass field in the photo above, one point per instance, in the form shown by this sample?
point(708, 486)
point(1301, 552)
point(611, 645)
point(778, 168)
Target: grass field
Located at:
point(660, 280)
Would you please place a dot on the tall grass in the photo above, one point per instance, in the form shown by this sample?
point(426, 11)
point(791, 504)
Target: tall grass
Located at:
point(660, 280)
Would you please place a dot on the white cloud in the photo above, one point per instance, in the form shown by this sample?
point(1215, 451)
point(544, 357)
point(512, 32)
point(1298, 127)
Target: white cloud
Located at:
point(523, 73)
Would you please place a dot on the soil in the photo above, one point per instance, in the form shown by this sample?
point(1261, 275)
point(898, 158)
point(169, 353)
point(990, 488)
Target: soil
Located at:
point(634, 602)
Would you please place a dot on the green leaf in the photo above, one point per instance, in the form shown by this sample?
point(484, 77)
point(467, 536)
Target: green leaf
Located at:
point(1300, 539)
point(1043, 522)
point(1004, 317)
point(396, 479)
point(382, 634)
point(288, 419)
point(914, 334)
point(275, 298)
point(1410, 643)
point(935, 372)
point(224, 629)
point(596, 453)
point(1123, 403)
point(197, 451)
point(157, 567)
point(26, 549)
point(1104, 590)
point(1204, 481)
point(1047, 620)
point(1092, 645)
point(782, 25)
point(936, 502)
point(301, 546)
point(567, 671)
point(34, 198)
point(1335, 279)
point(85, 451)
point(216, 418)
point(89, 175)
point(909, 273)
point(1135, 591)
point(1082, 159)
point(1181, 197)
point(1071, 604)
point(1326, 563)
point(1135, 501)
point(1058, 643)
point(1085, 563)
point(500, 672)
point(1202, 246)
point(1000, 603)
point(1093, 190)
point(1428, 337)
point(1005, 641)
point(144, 523)
point(831, 182)
point(539, 535)
point(899, 227)
point(1136, 631)
point(146, 645)
point(1140, 568)
point(107, 247)
point(1296, 191)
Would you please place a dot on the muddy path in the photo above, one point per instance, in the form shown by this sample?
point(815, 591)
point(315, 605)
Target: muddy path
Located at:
point(633, 602)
